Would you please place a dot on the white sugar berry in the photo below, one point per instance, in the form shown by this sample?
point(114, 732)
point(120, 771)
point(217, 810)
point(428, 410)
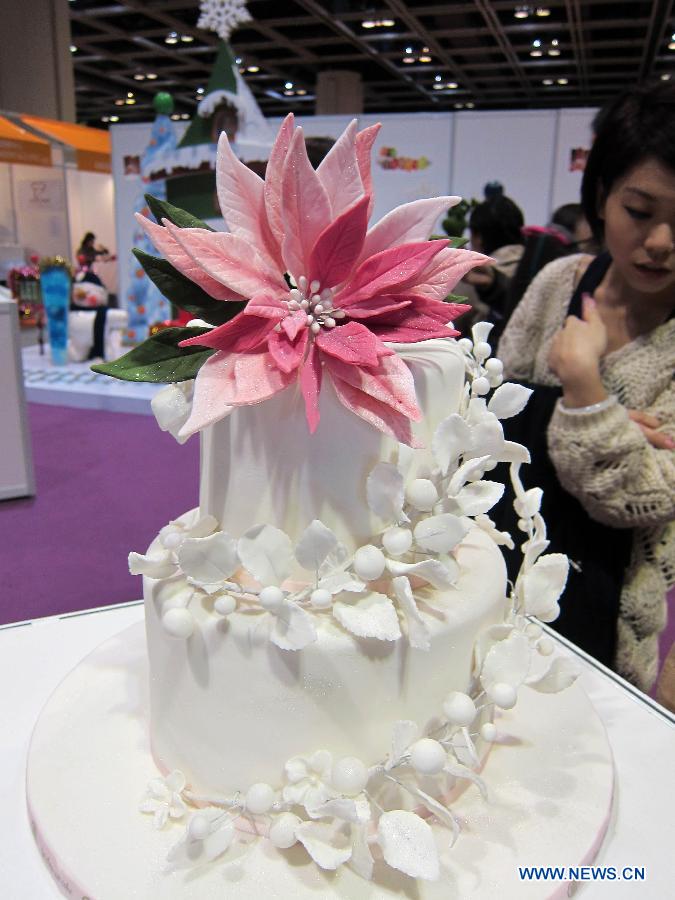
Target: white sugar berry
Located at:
point(259, 798)
point(465, 344)
point(488, 732)
point(533, 631)
point(283, 830)
point(369, 562)
point(427, 756)
point(503, 695)
point(459, 709)
point(421, 494)
point(523, 524)
point(495, 380)
point(482, 350)
point(494, 366)
point(271, 598)
point(321, 598)
point(397, 541)
point(199, 827)
point(480, 386)
point(546, 646)
point(179, 623)
point(349, 776)
point(225, 605)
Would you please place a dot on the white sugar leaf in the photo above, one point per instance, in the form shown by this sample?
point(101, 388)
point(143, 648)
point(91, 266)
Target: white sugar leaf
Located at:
point(477, 410)
point(336, 559)
point(384, 491)
point(543, 584)
point(315, 543)
point(439, 534)
point(267, 553)
point(460, 771)
point(486, 524)
point(507, 661)
point(450, 440)
point(465, 471)
point(153, 568)
point(442, 813)
point(514, 453)
point(209, 560)
point(342, 581)
point(560, 675)
point(372, 616)
point(343, 808)
point(508, 400)
point(418, 633)
point(433, 571)
point(292, 628)
point(203, 526)
point(487, 438)
point(327, 845)
point(405, 459)
point(188, 853)
point(481, 331)
point(361, 860)
point(477, 498)
point(529, 503)
point(404, 733)
point(408, 844)
point(532, 550)
point(218, 842)
point(465, 750)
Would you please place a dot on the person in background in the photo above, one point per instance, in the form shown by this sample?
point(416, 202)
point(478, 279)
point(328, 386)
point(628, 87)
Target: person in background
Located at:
point(595, 338)
point(495, 229)
point(88, 252)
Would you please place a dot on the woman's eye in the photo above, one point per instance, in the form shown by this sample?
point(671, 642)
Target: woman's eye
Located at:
point(636, 213)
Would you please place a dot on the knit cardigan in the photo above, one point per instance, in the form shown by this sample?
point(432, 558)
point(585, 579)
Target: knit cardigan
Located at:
point(604, 459)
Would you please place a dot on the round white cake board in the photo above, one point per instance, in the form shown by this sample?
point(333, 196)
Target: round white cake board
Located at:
point(550, 778)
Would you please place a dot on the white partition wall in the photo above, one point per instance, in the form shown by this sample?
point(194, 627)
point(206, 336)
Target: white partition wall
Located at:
point(574, 133)
point(16, 459)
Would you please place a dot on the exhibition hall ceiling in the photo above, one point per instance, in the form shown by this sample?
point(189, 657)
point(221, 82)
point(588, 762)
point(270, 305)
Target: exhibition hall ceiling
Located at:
point(412, 56)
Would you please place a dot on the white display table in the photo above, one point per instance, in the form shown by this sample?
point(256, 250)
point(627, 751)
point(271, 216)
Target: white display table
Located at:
point(36, 655)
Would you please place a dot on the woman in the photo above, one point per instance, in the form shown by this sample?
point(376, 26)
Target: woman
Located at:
point(88, 252)
point(598, 337)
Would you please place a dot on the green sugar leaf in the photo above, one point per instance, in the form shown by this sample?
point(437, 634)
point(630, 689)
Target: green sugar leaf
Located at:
point(184, 293)
point(162, 209)
point(159, 359)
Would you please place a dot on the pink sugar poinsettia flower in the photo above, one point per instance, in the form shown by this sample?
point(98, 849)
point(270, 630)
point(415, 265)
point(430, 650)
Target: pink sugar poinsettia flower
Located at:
point(351, 288)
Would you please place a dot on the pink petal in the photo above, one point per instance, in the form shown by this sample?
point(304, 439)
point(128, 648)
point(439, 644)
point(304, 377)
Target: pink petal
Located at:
point(293, 323)
point(390, 383)
point(353, 344)
point(267, 306)
point(287, 354)
point(274, 177)
point(227, 380)
point(405, 224)
point(339, 172)
point(379, 306)
point(391, 269)
point(172, 251)
point(230, 260)
point(364, 145)
point(442, 273)
point(412, 328)
point(242, 202)
point(339, 245)
point(371, 410)
point(310, 385)
point(437, 309)
point(305, 208)
point(240, 335)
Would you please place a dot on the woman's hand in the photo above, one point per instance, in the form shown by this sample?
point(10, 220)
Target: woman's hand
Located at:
point(649, 426)
point(575, 354)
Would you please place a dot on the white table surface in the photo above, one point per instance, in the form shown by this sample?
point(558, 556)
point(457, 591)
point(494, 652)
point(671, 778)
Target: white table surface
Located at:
point(36, 655)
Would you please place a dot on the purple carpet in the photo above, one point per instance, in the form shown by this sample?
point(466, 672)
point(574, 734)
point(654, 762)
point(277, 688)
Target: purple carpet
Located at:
point(106, 483)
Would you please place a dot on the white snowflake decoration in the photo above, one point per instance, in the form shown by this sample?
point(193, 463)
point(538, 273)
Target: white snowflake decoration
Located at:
point(222, 16)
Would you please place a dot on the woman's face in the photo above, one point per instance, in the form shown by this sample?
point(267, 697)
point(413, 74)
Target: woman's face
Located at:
point(639, 218)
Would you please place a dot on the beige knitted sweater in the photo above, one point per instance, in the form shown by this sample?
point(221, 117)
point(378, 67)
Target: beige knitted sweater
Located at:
point(603, 458)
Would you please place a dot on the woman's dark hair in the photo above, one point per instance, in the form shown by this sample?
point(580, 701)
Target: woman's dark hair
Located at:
point(89, 236)
point(498, 221)
point(567, 216)
point(630, 129)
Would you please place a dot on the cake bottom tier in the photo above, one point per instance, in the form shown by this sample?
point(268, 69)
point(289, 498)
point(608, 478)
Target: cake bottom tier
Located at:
point(550, 778)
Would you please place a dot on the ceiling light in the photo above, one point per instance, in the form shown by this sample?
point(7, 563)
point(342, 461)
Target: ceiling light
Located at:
point(238, 60)
point(301, 92)
point(459, 106)
point(175, 117)
point(119, 102)
point(671, 45)
point(289, 93)
point(547, 81)
point(105, 118)
point(378, 23)
point(130, 101)
point(139, 76)
point(288, 85)
point(522, 12)
point(151, 76)
point(470, 105)
point(563, 81)
point(388, 23)
point(200, 90)
point(452, 85)
point(554, 52)
point(408, 50)
point(253, 69)
point(425, 59)
point(536, 53)
point(185, 115)
point(665, 77)
point(438, 87)
point(368, 24)
point(542, 11)
point(114, 118)
point(438, 78)
point(186, 38)
point(130, 93)
point(73, 48)
point(171, 38)
point(408, 59)
point(241, 70)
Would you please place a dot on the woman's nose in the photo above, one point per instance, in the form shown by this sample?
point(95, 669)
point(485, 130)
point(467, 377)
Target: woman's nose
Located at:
point(660, 242)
